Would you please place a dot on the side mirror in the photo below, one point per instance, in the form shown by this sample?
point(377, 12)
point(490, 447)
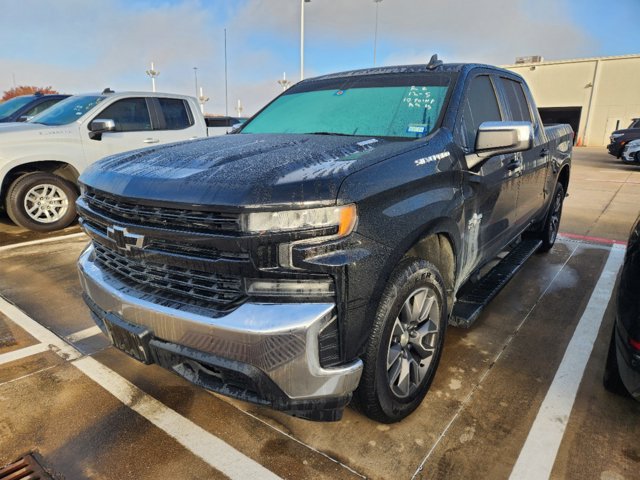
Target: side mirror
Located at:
point(498, 138)
point(99, 126)
point(235, 127)
point(24, 118)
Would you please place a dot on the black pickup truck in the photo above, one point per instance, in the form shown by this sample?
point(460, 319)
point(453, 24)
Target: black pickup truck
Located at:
point(319, 253)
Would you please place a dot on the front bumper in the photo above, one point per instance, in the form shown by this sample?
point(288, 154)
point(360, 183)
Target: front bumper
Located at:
point(615, 149)
point(629, 154)
point(264, 353)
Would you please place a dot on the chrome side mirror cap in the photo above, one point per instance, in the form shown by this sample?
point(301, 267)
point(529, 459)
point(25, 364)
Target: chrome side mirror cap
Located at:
point(499, 138)
point(100, 125)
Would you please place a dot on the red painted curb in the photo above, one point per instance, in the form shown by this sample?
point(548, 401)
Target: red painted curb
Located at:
point(586, 238)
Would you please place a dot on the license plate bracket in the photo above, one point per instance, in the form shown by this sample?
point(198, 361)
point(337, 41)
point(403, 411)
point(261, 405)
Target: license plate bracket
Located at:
point(131, 339)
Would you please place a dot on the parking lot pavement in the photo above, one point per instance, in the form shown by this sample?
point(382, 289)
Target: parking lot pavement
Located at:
point(12, 234)
point(502, 397)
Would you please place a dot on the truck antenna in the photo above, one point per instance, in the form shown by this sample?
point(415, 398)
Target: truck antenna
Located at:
point(434, 62)
point(107, 90)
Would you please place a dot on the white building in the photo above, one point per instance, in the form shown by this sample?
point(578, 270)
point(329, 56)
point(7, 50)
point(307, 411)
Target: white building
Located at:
point(594, 95)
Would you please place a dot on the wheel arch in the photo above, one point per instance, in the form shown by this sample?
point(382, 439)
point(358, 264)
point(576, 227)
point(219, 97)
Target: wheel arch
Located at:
point(438, 242)
point(61, 169)
point(563, 177)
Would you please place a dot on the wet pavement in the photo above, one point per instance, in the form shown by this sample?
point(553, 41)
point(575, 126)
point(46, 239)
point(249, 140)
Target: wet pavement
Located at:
point(92, 412)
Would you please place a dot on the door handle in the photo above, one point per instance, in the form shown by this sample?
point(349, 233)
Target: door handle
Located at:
point(151, 140)
point(514, 164)
point(544, 152)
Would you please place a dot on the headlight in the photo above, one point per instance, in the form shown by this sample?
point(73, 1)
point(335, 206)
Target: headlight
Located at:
point(343, 217)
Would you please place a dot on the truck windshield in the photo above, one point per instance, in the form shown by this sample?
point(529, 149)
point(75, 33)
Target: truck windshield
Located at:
point(13, 105)
point(400, 105)
point(68, 110)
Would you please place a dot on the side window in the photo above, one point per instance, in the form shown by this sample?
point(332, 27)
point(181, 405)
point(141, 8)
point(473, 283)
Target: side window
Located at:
point(175, 113)
point(218, 121)
point(517, 101)
point(129, 115)
point(41, 107)
point(480, 105)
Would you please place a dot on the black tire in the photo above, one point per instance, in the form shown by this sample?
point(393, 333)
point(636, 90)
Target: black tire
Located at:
point(549, 231)
point(611, 378)
point(53, 210)
point(379, 396)
point(636, 156)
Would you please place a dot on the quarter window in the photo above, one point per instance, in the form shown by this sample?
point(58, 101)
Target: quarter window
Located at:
point(175, 113)
point(129, 115)
point(480, 106)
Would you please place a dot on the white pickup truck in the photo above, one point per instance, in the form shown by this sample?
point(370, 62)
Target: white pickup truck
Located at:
point(41, 160)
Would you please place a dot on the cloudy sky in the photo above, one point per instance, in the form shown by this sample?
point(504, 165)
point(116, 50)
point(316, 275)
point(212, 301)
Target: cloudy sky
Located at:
point(79, 45)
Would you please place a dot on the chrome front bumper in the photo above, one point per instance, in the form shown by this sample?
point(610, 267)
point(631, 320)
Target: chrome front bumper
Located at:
point(281, 340)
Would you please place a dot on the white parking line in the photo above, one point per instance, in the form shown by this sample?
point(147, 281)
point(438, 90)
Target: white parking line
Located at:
point(538, 454)
point(83, 334)
point(23, 352)
point(217, 453)
point(209, 448)
point(42, 240)
point(479, 384)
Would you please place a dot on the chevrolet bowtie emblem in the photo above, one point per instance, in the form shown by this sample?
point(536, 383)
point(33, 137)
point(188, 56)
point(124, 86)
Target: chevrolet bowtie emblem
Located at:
point(123, 239)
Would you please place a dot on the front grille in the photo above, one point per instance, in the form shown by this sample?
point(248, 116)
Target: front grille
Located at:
point(170, 218)
point(172, 283)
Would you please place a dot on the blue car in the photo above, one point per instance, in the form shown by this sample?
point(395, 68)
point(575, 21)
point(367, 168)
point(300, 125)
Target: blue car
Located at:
point(22, 108)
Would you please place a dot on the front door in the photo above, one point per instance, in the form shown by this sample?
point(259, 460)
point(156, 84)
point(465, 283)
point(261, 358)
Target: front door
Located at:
point(491, 190)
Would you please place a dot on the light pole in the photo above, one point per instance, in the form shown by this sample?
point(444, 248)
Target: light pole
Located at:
point(202, 100)
point(195, 75)
point(153, 73)
point(302, 2)
point(375, 35)
point(239, 108)
point(283, 82)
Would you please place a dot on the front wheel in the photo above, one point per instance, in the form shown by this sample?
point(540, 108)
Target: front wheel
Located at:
point(42, 202)
point(406, 342)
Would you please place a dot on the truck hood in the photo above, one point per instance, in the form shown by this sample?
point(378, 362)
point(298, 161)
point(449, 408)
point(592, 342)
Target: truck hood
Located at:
point(242, 170)
point(16, 132)
point(625, 131)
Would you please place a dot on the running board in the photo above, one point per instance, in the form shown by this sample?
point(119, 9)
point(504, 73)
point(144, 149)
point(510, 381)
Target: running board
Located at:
point(470, 304)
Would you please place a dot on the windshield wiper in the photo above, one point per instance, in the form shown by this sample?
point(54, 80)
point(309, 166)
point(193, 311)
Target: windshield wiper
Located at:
point(330, 133)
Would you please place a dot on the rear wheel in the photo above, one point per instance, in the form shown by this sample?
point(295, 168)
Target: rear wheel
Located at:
point(41, 202)
point(406, 342)
point(549, 230)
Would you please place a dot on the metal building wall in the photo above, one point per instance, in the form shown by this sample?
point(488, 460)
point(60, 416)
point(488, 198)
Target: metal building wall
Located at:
point(607, 89)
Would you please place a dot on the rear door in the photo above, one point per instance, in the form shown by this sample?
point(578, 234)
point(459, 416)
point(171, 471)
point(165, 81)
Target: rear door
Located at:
point(535, 162)
point(492, 187)
point(176, 121)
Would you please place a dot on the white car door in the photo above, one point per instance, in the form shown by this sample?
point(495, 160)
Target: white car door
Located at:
point(176, 121)
point(135, 129)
